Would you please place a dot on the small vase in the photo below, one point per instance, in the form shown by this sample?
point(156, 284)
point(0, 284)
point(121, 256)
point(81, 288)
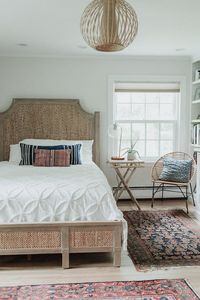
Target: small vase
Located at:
point(132, 155)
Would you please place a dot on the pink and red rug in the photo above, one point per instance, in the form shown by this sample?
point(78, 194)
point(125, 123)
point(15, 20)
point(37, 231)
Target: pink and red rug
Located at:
point(176, 289)
point(162, 239)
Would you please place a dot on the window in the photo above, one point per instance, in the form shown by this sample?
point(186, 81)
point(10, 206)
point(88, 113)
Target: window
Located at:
point(148, 114)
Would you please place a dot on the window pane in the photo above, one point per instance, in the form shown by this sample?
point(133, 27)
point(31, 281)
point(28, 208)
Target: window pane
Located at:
point(166, 131)
point(138, 97)
point(152, 111)
point(166, 147)
point(152, 97)
point(167, 112)
point(140, 147)
point(123, 97)
point(138, 112)
point(138, 131)
point(167, 98)
point(126, 131)
point(152, 131)
point(126, 144)
point(124, 111)
point(152, 148)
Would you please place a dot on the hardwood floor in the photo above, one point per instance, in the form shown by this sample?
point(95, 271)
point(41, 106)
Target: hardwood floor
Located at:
point(93, 267)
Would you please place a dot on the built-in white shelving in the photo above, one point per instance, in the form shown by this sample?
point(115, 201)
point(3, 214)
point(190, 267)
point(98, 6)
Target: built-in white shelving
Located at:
point(195, 109)
point(195, 120)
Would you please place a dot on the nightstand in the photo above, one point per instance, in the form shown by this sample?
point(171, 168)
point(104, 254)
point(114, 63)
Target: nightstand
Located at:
point(124, 170)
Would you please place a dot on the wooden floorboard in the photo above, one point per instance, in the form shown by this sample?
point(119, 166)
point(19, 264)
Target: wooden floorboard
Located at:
point(46, 269)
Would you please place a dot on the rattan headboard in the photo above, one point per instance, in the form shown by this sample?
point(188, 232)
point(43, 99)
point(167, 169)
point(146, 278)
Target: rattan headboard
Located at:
point(47, 119)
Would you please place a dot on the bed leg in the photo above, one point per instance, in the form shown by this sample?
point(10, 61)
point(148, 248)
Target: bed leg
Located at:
point(117, 247)
point(65, 248)
point(65, 260)
point(117, 257)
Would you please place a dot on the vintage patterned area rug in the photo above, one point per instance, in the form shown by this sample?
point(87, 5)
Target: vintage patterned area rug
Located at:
point(162, 239)
point(176, 289)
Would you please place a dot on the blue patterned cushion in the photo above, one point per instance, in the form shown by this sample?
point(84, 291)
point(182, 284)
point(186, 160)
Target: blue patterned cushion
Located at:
point(176, 170)
point(28, 153)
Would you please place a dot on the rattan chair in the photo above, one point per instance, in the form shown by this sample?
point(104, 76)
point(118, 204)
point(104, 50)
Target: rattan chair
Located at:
point(159, 185)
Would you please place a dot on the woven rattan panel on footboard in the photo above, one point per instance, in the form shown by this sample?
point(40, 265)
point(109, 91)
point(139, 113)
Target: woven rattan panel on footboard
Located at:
point(64, 238)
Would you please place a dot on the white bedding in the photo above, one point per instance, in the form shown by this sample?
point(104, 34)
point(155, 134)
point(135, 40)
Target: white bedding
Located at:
point(38, 194)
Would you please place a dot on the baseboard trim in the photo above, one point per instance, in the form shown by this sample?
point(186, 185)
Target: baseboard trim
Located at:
point(147, 187)
point(159, 199)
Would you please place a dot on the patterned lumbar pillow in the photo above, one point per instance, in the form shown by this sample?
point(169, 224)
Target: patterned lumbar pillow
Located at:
point(52, 158)
point(28, 153)
point(176, 170)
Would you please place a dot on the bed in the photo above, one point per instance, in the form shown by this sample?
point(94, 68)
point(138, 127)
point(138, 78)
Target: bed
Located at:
point(67, 210)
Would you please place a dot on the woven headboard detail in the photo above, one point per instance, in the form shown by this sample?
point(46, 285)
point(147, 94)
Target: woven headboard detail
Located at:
point(47, 119)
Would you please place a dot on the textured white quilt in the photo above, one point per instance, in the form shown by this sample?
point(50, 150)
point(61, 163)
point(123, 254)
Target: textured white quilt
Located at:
point(38, 194)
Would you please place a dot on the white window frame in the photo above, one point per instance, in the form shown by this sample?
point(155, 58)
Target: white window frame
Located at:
point(183, 132)
point(159, 121)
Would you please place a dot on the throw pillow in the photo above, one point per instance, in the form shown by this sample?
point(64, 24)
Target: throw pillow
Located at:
point(176, 170)
point(52, 158)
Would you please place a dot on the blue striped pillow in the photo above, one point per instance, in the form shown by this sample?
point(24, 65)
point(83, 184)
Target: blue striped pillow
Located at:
point(75, 156)
point(28, 153)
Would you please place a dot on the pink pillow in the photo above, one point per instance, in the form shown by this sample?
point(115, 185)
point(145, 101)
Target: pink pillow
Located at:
point(52, 158)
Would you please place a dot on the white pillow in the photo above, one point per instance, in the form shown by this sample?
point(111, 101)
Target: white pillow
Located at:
point(86, 149)
point(15, 154)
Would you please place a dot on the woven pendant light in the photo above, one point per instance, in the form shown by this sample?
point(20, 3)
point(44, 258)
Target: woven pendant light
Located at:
point(109, 25)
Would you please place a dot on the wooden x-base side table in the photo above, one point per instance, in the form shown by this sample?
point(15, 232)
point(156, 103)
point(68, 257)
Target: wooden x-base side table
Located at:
point(125, 170)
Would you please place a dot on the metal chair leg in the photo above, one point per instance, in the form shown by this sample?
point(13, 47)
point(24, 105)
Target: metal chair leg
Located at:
point(152, 202)
point(192, 193)
point(162, 191)
point(186, 191)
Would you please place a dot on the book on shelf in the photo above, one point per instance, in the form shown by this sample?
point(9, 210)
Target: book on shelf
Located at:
point(197, 74)
point(196, 134)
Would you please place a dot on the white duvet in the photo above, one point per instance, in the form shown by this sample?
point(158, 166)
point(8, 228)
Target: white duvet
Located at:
point(38, 194)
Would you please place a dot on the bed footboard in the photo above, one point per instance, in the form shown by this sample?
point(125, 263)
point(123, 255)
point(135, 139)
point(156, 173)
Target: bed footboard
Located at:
point(64, 238)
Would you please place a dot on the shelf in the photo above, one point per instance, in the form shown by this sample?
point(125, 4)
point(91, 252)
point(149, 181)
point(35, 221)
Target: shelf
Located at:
point(195, 109)
point(196, 101)
point(195, 145)
point(196, 60)
point(196, 82)
point(196, 121)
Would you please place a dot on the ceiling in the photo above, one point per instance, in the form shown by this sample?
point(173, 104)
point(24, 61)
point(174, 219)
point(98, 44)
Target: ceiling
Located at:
point(50, 28)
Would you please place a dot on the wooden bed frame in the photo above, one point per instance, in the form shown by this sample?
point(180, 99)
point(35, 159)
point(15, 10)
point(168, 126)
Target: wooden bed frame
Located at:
point(55, 119)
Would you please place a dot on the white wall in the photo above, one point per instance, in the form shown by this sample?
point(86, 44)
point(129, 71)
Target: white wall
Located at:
point(85, 79)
